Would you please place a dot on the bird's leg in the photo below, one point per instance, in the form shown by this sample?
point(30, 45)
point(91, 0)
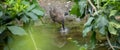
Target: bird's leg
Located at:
point(63, 25)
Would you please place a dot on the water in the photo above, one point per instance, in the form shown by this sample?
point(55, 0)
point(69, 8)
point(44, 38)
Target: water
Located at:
point(48, 37)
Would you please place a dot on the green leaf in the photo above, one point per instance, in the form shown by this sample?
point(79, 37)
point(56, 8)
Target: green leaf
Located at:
point(116, 25)
point(112, 13)
point(88, 23)
point(75, 10)
point(101, 24)
point(1, 13)
point(25, 3)
point(38, 12)
point(32, 16)
point(82, 48)
point(104, 0)
point(82, 6)
point(31, 7)
point(76, 1)
point(102, 21)
point(17, 30)
point(102, 30)
point(93, 39)
point(86, 30)
point(25, 19)
point(2, 28)
point(112, 29)
point(79, 8)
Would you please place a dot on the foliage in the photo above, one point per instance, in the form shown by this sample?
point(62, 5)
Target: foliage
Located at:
point(79, 8)
point(15, 15)
point(102, 16)
point(83, 48)
point(16, 30)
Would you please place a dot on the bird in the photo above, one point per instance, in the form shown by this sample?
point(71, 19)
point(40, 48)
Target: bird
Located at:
point(58, 16)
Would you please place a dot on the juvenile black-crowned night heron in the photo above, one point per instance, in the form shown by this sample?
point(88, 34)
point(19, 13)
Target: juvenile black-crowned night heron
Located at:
point(59, 17)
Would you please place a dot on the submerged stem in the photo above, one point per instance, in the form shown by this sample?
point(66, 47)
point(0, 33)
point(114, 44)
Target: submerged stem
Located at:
point(30, 32)
point(33, 40)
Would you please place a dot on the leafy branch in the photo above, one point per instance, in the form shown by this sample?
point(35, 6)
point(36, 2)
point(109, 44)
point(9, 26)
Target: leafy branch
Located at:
point(102, 19)
point(15, 15)
point(95, 9)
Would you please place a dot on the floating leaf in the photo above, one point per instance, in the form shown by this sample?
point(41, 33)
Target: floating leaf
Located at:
point(17, 30)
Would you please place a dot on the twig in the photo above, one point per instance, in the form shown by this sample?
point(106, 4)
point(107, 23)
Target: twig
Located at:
point(95, 9)
point(108, 40)
point(116, 47)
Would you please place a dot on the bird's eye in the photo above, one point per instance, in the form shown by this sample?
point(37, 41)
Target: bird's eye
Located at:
point(66, 13)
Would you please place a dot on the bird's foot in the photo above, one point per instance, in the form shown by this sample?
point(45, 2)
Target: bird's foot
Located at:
point(64, 31)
